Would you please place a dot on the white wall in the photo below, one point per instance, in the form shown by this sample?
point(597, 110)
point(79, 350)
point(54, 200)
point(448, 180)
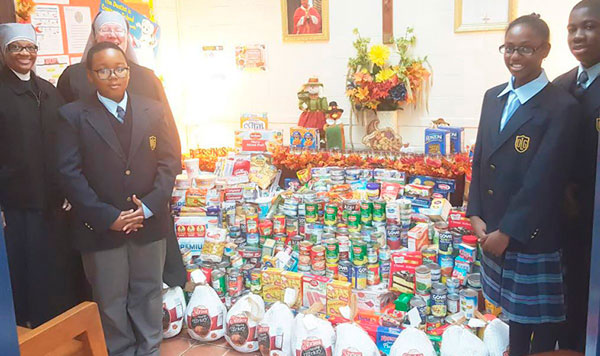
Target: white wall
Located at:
point(208, 108)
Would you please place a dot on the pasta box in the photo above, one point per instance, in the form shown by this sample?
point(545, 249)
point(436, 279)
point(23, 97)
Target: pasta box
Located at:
point(457, 138)
point(257, 140)
point(302, 137)
point(437, 141)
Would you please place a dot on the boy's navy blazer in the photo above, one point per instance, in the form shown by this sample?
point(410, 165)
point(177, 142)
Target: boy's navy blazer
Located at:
point(99, 178)
point(519, 174)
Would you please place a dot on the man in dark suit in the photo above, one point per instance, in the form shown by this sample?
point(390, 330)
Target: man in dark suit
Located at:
point(113, 148)
point(581, 82)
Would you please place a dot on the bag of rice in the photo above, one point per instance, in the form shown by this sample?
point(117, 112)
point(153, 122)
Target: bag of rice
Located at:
point(312, 336)
point(456, 341)
point(173, 311)
point(412, 342)
point(241, 323)
point(205, 313)
point(275, 331)
point(496, 338)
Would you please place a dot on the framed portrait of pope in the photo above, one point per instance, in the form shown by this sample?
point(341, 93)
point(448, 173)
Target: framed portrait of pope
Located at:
point(305, 20)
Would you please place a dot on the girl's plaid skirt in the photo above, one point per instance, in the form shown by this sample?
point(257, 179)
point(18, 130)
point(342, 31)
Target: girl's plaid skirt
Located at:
point(528, 287)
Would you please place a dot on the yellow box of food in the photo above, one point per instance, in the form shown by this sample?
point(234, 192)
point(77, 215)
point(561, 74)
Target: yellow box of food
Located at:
point(293, 280)
point(272, 287)
point(338, 295)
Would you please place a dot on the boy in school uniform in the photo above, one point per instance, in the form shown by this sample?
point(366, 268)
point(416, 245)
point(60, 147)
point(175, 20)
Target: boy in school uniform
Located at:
point(118, 167)
point(584, 42)
point(525, 143)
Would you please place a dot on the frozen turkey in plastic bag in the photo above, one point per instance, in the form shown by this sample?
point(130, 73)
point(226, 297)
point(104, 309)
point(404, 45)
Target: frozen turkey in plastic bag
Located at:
point(173, 311)
point(351, 339)
point(412, 342)
point(275, 331)
point(205, 313)
point(457, 341)
point(241, 322)
point(312, 336)
point(496, 338)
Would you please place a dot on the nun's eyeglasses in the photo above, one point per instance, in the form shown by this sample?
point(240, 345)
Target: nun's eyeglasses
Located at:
point(105, 31)
point(15, 48)
point(105, 73)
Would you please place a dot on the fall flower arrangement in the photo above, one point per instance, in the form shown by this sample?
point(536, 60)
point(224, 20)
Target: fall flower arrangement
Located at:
point(24, 9)
point(384, 78)
point(208, 157)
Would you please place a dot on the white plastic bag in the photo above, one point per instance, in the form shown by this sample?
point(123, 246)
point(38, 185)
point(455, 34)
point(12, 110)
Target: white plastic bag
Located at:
point(241, 323)
point(205, 313)
point(412, 342)
point(456, 341)
point(496, 338)
point(173, 311)
point(351, 339)
point(312, 336)
point(275, 331)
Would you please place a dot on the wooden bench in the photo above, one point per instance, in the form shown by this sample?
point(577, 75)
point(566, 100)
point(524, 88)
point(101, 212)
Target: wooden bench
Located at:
point(77, 332)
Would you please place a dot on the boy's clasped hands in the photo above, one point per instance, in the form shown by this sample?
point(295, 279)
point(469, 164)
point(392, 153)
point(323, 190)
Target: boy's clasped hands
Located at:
point(130, 220)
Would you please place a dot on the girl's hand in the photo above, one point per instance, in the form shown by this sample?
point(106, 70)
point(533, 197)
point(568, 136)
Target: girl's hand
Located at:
point(479, 228)
point(496, 243)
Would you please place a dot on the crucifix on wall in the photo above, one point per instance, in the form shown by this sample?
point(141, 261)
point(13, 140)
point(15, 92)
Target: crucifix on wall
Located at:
point(388, 21)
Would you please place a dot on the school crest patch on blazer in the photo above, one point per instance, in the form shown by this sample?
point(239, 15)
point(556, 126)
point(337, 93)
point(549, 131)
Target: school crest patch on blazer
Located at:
point(152, 140)
point(522, 143)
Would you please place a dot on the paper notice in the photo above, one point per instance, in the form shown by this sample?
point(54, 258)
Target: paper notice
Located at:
point(46, 21)
point(78, 22)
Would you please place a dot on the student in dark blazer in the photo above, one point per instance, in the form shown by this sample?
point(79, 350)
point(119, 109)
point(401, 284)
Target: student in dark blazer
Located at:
point(110, 26)
point(34, 207)
point(118, 166)
point(582, 82)
point(525, 144)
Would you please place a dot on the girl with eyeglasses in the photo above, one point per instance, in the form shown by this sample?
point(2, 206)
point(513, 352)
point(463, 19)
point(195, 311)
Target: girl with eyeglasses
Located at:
point(523, 154)
point(34, 208)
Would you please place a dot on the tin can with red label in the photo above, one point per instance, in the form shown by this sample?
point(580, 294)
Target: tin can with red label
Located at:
point(252, 223)
point(373, 276)
point(235, 283)
point(279, 224)
point(331, 270)
point(207, 270)
point(291, 227)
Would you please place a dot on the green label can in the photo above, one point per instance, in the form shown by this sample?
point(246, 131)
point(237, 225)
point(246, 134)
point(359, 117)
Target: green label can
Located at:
point(311, 210)
point(359, 252)
point(366, 213)
point(379, 210)
point(354, 221)
point(331, 214)
point(332, 251)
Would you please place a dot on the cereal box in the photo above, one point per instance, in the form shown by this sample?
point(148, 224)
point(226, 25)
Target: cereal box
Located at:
point(314, 289)
point(302, 137)
point(293, 280)
point(254, 121)
point(437, 141)
point(272, 287)
point(257, 140)
point(338, 295)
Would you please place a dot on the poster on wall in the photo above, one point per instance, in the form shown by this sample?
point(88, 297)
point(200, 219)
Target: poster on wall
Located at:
point(145, 33)
point(60, 2)
point(51, 67)
point(251, 58)
point(46, 21)
point(78, 21)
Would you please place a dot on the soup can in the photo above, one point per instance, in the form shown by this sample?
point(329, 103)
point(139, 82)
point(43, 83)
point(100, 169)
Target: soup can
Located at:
point(438, 300)
point(279, 224)
point(359, 277)
point(419, 303)
point(468, 302)
point(453, 301)
point(332, 253)
point(345, 271)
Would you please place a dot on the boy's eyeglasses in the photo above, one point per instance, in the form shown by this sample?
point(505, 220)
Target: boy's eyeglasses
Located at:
point(105, 73)
point(15, 48)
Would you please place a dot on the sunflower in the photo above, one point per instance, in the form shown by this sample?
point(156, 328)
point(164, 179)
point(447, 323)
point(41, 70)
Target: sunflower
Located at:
point(379, 54)
point(384, 75)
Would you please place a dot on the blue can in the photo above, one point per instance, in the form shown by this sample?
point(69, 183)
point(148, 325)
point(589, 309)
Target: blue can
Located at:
point(345, 271)
point(445, 241)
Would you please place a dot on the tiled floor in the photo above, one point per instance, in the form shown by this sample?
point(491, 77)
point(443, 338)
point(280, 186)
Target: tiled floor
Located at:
point(184, 345)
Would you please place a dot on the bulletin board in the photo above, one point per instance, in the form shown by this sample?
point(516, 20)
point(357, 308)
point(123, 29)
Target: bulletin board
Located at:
point(63, 28)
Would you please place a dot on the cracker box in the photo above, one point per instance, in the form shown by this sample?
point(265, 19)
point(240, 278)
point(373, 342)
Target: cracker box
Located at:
point(257, 140)
point(338, 295)
point(191, 231)
point(293, 280)
point(437, 141)
point(272, 289)
point(254, 121)
point(457, 138)
point(302, 137)
point(457, 218)
point(314, 289)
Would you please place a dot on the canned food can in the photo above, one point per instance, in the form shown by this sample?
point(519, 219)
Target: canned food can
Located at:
point(235, 232)
point(372, 255)
point(392, 213)
point(291, 227)
point(453, 301)
point(436, 272)
point(219, 282)
point(379, 213)
point(446, 264)
point(247, 273)
point(373, 276)
point(317, 253)
point(235, 283)
point(279, 224)
point(255, 281)
point(378, 237)
point(311, 211)
point(331, 214)
point(359, 253)
point(384, 270)
point(445, 241)
point(305, 248)
point(438, 300)
point(252, 223)
point(252, 239)
point(468, 302)
point(189, 268)
point(331, 270)
point(404, 237)
point(332, 254)
point(433, 322)
point(366, 213)
point(359, 277)
point(419, 303)
point(452, 284)
point(429, 256)
point(207, 270)
point(393, 237)
point(422, 279)
point(318, 265)
point(295, 242)
point(354, 219)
